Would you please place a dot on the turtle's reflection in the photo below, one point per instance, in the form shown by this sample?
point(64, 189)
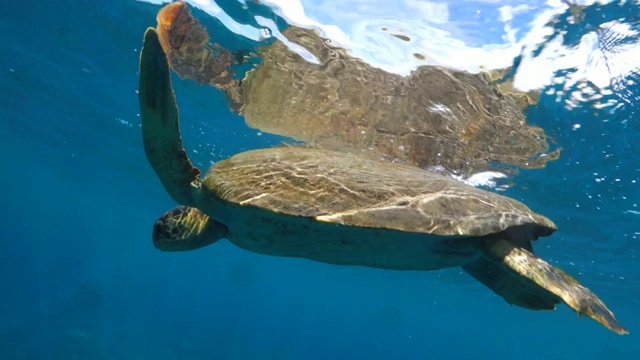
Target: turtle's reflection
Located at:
point(434, 117)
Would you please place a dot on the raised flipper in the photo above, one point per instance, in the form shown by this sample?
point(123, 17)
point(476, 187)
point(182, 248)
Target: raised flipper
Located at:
point(161, 125)
point(191, 54)
point(185, 228)
point(524, 279)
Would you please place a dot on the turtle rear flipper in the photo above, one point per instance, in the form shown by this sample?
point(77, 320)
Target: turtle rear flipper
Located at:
point(510, 286)
point(161, 125)
point(185, 228)
point(524, 279)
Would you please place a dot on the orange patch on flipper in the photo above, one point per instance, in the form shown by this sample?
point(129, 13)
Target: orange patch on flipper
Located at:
point(175, 22)
point(190, 53)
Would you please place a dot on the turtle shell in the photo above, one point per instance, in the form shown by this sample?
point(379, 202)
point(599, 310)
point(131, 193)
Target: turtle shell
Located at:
point(350, 190)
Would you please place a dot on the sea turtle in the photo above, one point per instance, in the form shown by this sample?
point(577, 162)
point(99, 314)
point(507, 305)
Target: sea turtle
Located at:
point(434, 117)
point(347, 209)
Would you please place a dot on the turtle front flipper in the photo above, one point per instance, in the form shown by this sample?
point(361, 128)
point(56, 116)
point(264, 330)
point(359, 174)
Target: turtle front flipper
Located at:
point(185, 228)
point(526, 280)
point(161, 125)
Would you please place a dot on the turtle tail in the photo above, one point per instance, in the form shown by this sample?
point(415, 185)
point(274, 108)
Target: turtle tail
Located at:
point(161, 125)
point(526, 280)
point(185, 228)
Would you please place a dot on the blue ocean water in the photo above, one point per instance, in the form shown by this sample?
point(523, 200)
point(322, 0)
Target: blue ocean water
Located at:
point(80, 278)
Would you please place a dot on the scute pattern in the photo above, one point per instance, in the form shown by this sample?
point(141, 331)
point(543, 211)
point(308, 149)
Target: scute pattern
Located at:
point(339, 188)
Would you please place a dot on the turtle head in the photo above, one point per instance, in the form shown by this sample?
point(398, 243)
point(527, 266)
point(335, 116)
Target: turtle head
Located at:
point(186, 228)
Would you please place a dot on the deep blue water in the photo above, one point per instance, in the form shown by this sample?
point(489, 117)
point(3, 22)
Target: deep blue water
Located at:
point(80, 279)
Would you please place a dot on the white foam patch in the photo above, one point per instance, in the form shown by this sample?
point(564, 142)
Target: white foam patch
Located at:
point(587, 58)
point(485, 178)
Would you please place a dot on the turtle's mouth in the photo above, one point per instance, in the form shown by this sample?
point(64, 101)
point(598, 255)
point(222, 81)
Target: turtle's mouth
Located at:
point(169, 231)
point(161, 234)
point(165, 240)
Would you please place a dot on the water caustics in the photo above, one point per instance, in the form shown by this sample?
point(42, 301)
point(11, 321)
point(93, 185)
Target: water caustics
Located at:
point(473, 35)
point(435, 117)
